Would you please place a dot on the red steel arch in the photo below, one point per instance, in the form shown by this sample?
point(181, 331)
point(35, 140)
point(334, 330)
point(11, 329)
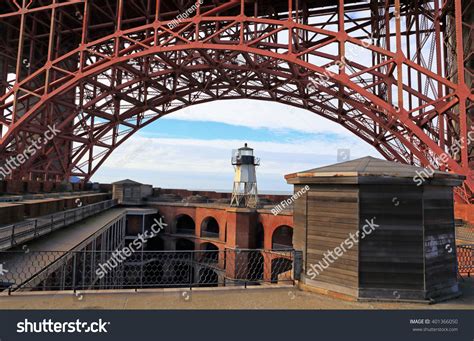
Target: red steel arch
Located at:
point(101, 70)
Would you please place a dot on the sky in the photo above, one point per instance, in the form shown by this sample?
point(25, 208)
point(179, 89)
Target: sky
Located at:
point(192, 148)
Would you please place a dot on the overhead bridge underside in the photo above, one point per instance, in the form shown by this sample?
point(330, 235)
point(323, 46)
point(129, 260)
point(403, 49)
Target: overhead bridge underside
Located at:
point(397, 74)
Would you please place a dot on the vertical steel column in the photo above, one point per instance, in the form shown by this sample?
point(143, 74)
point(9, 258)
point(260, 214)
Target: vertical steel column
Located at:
point(52, 29)
point(342, 50)
point(19, 61)
point(439, 71)
point(290, 28)
point(4, 66)
point(399, 57)
point(463, 92)
point(388, 44)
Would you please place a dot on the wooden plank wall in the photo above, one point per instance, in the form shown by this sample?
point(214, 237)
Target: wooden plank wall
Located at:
point(299, 221)
point(117, 193)
point(391, 257)
point(332, 214)
point(440, 241)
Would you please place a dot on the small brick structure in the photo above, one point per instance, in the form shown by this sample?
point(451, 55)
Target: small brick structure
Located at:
point(369, 229)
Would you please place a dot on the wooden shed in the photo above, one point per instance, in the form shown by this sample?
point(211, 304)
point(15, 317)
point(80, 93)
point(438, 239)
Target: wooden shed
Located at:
point(374, 229)
point(129, 192)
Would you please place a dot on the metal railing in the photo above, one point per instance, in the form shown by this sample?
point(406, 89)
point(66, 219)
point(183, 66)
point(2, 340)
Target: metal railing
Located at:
point(83, 270)
point(465, 255)
point(18, 233)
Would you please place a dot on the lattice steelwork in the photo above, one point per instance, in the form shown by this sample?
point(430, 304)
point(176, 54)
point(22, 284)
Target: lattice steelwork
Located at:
point(395, 73)
point(465, 254)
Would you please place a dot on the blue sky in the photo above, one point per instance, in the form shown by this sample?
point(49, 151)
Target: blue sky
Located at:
point(192, 148)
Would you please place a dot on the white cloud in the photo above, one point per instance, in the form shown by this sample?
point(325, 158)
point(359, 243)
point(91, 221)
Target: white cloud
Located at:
point(259, 114)
point(194, 163)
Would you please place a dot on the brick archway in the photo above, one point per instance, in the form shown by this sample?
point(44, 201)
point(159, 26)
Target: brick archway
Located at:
point(184, 224)
point(210, 228)
point(270, 223)
point(282, 238)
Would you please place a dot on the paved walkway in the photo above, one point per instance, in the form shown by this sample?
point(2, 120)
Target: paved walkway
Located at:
point(70, 237)
point(203, 298)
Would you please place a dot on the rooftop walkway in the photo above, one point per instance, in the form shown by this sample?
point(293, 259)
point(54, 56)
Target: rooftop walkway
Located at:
point(283, 297)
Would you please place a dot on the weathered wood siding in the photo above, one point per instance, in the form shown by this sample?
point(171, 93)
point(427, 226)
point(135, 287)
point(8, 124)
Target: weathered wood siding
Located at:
point(391, 257)
point(440, 241)
point(332, 214)
point(117, 193)
point(299, 221)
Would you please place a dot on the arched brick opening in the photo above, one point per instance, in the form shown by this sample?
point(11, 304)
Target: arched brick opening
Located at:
point(282, 238)
point(185, 225)
point(210, 228)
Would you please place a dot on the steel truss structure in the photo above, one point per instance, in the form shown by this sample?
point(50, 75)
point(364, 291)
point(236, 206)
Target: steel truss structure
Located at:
point(395, 73)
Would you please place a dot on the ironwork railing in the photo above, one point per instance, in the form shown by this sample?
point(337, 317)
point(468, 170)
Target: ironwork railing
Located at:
point(83, 270)
point(465, 255)
point(11, 235)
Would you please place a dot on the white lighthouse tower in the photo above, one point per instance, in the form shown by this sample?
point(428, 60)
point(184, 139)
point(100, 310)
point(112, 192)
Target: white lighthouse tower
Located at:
point(244, 193)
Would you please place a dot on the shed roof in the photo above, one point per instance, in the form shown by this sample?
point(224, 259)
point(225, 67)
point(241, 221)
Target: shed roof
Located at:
point(126, 182)
point(370, 167)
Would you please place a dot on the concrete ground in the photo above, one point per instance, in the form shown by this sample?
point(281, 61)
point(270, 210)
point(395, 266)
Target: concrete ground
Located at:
point(217, 298)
